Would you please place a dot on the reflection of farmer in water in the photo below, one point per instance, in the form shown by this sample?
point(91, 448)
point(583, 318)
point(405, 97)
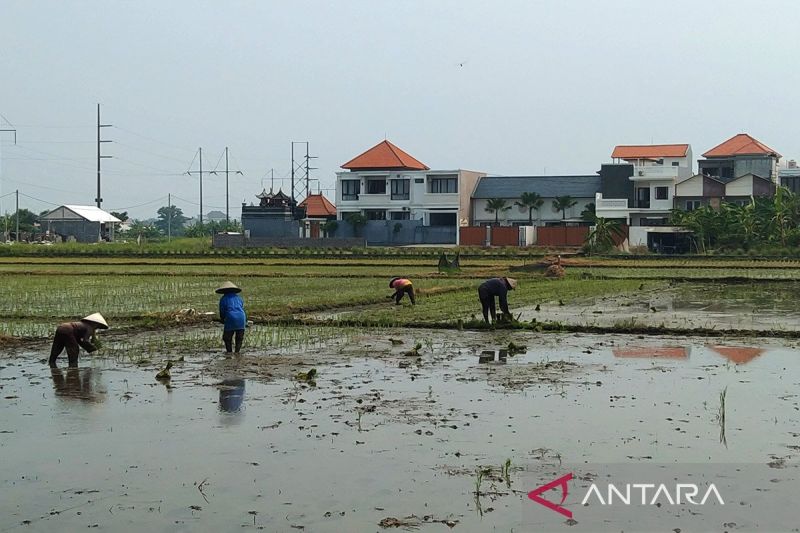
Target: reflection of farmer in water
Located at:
point(231, 313)
point(495, 288)
point(231, 395)
point(402, 286)
point(79, 383)
point(73, 336)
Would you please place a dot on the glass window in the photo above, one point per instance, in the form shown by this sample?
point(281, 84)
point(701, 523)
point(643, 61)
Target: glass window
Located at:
point(351, 189)
point(375, 214)
point(400, 189)
point(443, 184)
point(675, 164)
point(401, 215)
point(376, 186)
point(662, 193)
point(691, 205)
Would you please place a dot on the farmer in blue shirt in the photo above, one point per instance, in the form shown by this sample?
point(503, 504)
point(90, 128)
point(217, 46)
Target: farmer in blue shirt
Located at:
point(231, 312)
point(495, 288)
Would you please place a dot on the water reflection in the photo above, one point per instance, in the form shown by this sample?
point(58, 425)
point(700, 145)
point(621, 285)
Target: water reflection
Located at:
point(664, 352)
point(78, 383)
point(737, 354)
point(497, 357)
point(231, 395)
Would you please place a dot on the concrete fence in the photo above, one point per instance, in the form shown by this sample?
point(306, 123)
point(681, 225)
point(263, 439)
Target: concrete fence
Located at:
point(242, 241)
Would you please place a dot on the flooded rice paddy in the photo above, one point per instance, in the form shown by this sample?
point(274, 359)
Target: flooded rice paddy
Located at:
point(428, 430)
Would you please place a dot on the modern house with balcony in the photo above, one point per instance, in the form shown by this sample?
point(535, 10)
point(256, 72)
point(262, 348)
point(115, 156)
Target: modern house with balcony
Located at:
point(638, 188)
point(738, 156)
point(389, 186)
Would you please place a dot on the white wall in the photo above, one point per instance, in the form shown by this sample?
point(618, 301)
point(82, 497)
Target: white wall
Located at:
point(691, 187)
point(740, 187)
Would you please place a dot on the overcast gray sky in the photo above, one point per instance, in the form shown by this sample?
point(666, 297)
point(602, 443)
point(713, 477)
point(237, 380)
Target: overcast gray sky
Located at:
point(545, 87)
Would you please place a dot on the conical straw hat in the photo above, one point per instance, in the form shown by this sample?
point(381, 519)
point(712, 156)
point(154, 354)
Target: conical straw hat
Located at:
point(227, 287)
point(511, 283)
point(96, 318)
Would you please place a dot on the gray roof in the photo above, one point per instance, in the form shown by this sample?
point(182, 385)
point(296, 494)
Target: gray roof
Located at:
point(546, 186)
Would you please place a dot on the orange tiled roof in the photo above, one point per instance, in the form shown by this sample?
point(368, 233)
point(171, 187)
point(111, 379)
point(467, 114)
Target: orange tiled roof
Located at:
point(741, 144)
point(384, 155)
point(669, 352)
point(738, 354)
point(649, 151)
point(317, 205)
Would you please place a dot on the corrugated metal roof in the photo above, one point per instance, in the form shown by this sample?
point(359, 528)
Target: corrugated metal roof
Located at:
point(546, 186)
point(92, 213)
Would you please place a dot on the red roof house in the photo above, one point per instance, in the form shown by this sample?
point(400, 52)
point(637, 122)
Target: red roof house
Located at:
point(741, 144)
point(384, 156)
point(649, 151)
point(317, 206)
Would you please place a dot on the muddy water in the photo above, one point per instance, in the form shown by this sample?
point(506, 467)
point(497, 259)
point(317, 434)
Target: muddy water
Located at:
point(382, 434)
point(752, 307)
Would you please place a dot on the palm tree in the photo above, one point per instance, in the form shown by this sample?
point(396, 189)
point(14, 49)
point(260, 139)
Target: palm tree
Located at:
point(601, 238)
point(496, 206)
point(530, 201)
point(562, 203)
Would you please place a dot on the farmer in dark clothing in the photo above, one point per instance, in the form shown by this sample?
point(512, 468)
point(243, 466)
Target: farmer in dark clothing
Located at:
point(495, 287)
point(76, 335)
point(402, 286)
point(231, 313)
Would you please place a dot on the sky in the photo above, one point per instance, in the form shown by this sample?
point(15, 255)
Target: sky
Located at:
point(508, 87)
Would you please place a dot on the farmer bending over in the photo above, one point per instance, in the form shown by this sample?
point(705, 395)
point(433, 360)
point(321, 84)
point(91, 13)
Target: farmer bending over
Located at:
point(495, 287)
point(76, 335)
point(231, 313)
point(402, 286)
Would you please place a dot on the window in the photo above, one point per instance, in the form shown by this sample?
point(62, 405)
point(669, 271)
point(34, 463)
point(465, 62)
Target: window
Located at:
point(400, 189)
point(659, 161)
point(375, 214)
point(443, 184)
point(726, 172)
point(400, 215)
point(419, 180)
point(643, 197)
point(691, 205)
point(676, 164)
point(662, 193)
point(442, 219)
point(351, 189)
point(376, 186)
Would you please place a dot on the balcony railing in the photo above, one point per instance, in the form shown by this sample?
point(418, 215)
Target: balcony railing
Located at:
point(612, 203)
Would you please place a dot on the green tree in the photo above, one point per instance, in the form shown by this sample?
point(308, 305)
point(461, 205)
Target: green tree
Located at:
point(140, 228)
point(357, 221)
point(589, 213)
point(530, 201)
point(601, 238)
point(496, 206)
point(562, 203)
point(122, 215)
point(171, 217)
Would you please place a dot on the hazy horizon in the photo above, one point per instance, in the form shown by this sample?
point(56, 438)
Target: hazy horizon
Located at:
point(508, 88)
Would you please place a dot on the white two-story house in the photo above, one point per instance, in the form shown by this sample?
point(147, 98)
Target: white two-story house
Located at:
point(638, 188)
point(386, 183)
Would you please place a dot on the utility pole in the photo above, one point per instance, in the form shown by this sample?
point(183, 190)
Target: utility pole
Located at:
point(6, 130)
point(17, 215)
point(227, 196)
point(308, 171)
point(99, 198)
point(303, 179)
point(169, 217)
point(200, 172)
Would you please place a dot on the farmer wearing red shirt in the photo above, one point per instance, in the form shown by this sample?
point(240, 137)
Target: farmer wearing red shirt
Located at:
point(76, 335)
point(402, 286)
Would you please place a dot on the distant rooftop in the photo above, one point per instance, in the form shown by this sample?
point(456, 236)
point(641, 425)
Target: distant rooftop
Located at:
point(649, 151)
point(90, 213)
point(316, 205)
point(384, 156)
point(741, 144)
point(546, 186)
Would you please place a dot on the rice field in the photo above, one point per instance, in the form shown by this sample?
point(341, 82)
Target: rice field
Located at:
point(135, 293)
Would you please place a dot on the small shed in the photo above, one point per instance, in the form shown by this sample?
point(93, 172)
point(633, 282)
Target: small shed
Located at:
point(84, 223)
point(318, 210)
